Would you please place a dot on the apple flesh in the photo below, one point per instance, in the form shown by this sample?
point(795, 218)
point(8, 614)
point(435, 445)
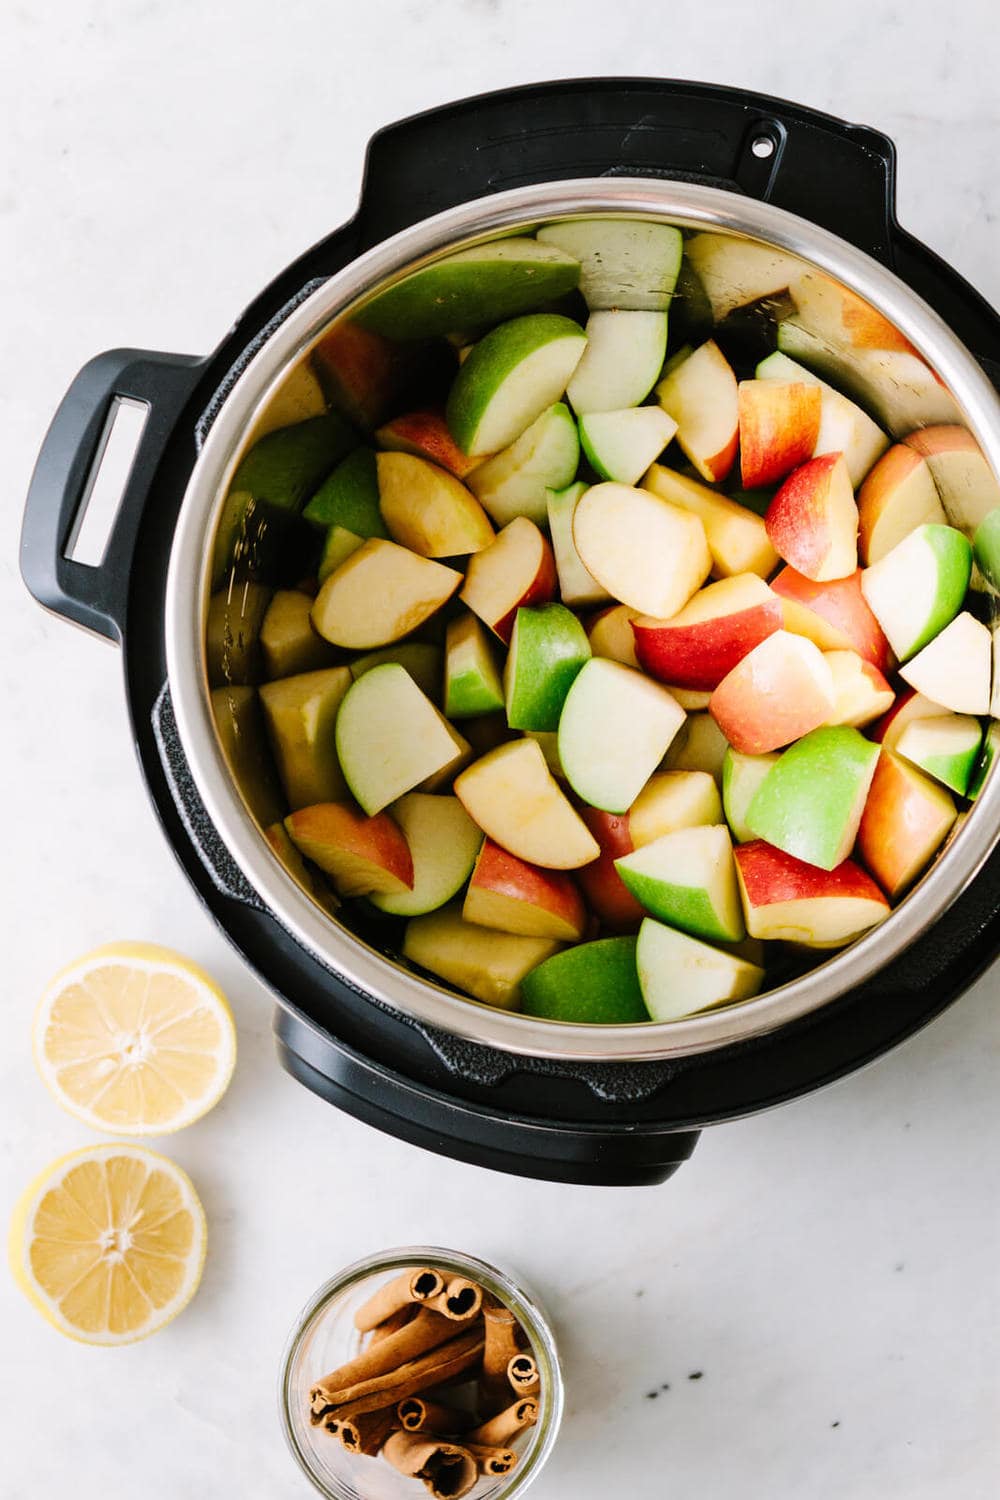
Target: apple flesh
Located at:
point(897, 497)
point(361, 855)
point(835, 615)
point(833, 311)
point(338, 545)
point(700, 746)
point(909, 705)
point(288, 642)
point(742, 776)
point(646, 553)
point(420, 658)
point(349, 497)
point(513, 374)
point(621, 445)
point(671, 800)
point(610, 634)
point(737, 538)
point(780, 691)
point(425, 434)
point(391, 738)
point(516, 570)
point(843, 426)
point(810, 803)
point(710, 635)
point(680, 976)
point(513, 896)
point(688, 880)
point(812, 522)
point(626, 263)
point(592, 984)
point(381, 593)
point(428, 510)
point(918, 588)
point(785, 898)
point(472, 683)
point(615, 728)
point(548, 648)
point(301, 715)
point(735, 271)
point(236, 616)
point(298, 397)
point(955, 669)
point(443, 843)
point(576, 585)
point(515, 481)
point(906, 820)
point(778, 428)
point(623, 357)
point(699, 393)
point(517, 803)
point(966, 484)
point(860, 692)
point(488, 965)
point(946, 747)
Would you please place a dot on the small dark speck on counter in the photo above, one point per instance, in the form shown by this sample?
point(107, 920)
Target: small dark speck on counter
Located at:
point(901, 1265)
point(696, 1374)
point(651, 1395)
point(641, 1292)
point(834, 1424)
point(664, 1387)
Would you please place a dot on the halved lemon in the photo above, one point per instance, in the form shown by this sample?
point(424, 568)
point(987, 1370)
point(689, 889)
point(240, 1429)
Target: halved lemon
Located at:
point(135, 1040)
point(109, 1243)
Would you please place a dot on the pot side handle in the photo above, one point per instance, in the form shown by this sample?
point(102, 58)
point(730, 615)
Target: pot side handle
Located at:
point(67, 467)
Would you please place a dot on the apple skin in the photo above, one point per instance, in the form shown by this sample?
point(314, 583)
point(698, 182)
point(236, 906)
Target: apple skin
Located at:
point(443, 843)
point(481, 417)
point(516, 570)
point(601, 883)
point(916, 590)
point(810, 803)
point(779, 426)
point(514, 896)
point(710, 635)
point(906, 820)
point(737, 537)
point(360, 854)
point(425, 434)
point(548, 647)
point(741, 776)
point(700, 394)
point(593, 983)
point(785, 898)
point(835, 615)
point(780, 691)
point(896, 497)
point(812, 522)
point(828, 308)
point(472, 681)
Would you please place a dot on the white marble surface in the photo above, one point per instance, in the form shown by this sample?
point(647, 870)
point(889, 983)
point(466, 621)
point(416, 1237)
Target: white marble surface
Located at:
point(830, 1268)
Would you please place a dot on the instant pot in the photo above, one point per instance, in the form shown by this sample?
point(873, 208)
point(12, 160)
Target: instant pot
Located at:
point(580, 1104)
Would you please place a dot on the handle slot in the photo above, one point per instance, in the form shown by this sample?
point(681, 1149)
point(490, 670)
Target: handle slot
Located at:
point(107, 481)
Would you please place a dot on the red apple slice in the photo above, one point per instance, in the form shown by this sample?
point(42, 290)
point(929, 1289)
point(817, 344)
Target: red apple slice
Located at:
point(425, 434)
point(601, 883)
point(737, 537)
point(835, 615)
point(361, 855)
point(699, 393)
point(860, 692)
point(779, 426)
point(780, 691)
point(714, 631)
point(813, 521)
point(897, 496)
point(966, 484)
point(428, 510)
point(906, 819)
point(360, 371)
point(516, 569)
point(512, 895)
point(785, 898)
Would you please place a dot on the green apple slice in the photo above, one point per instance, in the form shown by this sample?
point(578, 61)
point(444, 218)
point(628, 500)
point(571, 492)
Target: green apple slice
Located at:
point(592, 984)
point(232, 633)
point(576, 585)
point(338, 544)
point(915, 590)
point(512, 375)
point(680, 976)
point(946, 747)
point(472, 683)
point(843, 426)
point(516, 801)
point(622, 361)
point(489, 965)
point(741, 777)
point(621, 445)
point(486, 284)
point(288, 642)
point(301, 715)
point(349, 497)
point(688, 879)
point(390, 737)
point(515, 482)
point(615, 728)
point(955, 669)
point(422, 660)
point(986, 548)
point(548, 648)
point(810, 804)
point(624, 263)
point(987, 755)
point(444, 843)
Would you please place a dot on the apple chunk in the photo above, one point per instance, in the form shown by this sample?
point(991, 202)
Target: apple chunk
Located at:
point(593, 983)
point(490, 966)
point(680, 976)
point(429, 510)
point(615, 728)
point(288, 642)
point(361, 855)
point(834, 615)
point(513, 896)
point(425, 434)
point(443, 843)
point(547, 650)
point(517, 569)
point(700, 746)
point(860, 692)
point(576, 585)
point(688, 880)
point(915, 590)
point(810, 803)
point(812, 522)
point(610, 634)
point(792, 901)
point(626, 263)
point(909, 706)
point(742, 775)
point(780, 691)
point(714, 631)
point(472, 683)
point(699, 393)
point(843, 426)
point(955, 669)
point(833, 311)
point(646, 553)
point(906, 820)
point(621, 445)
point(514, 482)
point(512, 375)
point(301, 714)
point(349, 497)
point(391, 738)
point(946, 747)
point(897, 496)
point(600, 881)
point(623, 357)
point(737, 539)
point(381, 593)
point(778, 429)
point(517, 803)
point(736, 271)
point(420, 658)
point(966, 484)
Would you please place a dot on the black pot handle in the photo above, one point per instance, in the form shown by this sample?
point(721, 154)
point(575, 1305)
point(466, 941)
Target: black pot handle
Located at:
point(837, 175)
point(95, 597)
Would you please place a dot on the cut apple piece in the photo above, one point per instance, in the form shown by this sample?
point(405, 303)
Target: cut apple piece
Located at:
point(786, 899)
point(742, 776)
point(966, 485)
point(700, 746)
point(338, 545)
point(301, 714)
point(421, 659)
point(621, 445)
point(517, 803)
point(547, 741)
point(382, 592)
point(390, 737)
point(671, 800)
point(778, 428)
point(986, 548)
point(600, 881)
point(681, 976)
point(737, 539)
point(906, 820)
point(714, 631)
point(610, 634)
point(443, 843)
point(955, 670)
point(915, 590)
point(428, 510)
point(860, 692)
point(288, 642)
point(626, 263)
point(513, 896)
point(548, 648)
point(361, 855)
point(736, 271)
point(780, 691)
point(832, 311)
point(472, 683)
point(425, 434)
point(515, 481)
point(812, 522)
point(907, 707)
point(624, 356)
point(897, 496)
point(688, 880)
point(309, 879)
point(518, 569)
point(512, 375)
point(984, 765)
point(349, 497)
point(843, 427)
point(232, 633)
point(488, 965)
point(646, 553)
point(298, 397)
point(576, 585)
point(947, 748)
point(591, 984)
point(835, 615)
point(699, 393)
point(243, 741)
point(361, 373)
point(615, 728)
point(810, 803)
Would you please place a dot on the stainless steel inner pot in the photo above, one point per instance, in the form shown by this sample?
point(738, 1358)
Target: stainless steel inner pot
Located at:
point(687, 206)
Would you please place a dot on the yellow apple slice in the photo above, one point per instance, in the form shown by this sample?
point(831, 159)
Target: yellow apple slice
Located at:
point(645, 552)
point(429, 510)
point(516, 801)
point(700, 393)
point(381, 593)
point(737, 538)
point(488, 965)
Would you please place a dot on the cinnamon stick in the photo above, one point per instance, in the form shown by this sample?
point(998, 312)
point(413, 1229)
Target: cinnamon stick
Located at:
point(501, 1346)
point(522, 1373)
point(442, 1363)
point(460, 1300)
point(506, 1424)
point(393, 1323)
point(366, 1432)
point(490, 1459)
point(420, 1415)
point(418, 1285)
point(424, 1332)
point(446, 1469)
